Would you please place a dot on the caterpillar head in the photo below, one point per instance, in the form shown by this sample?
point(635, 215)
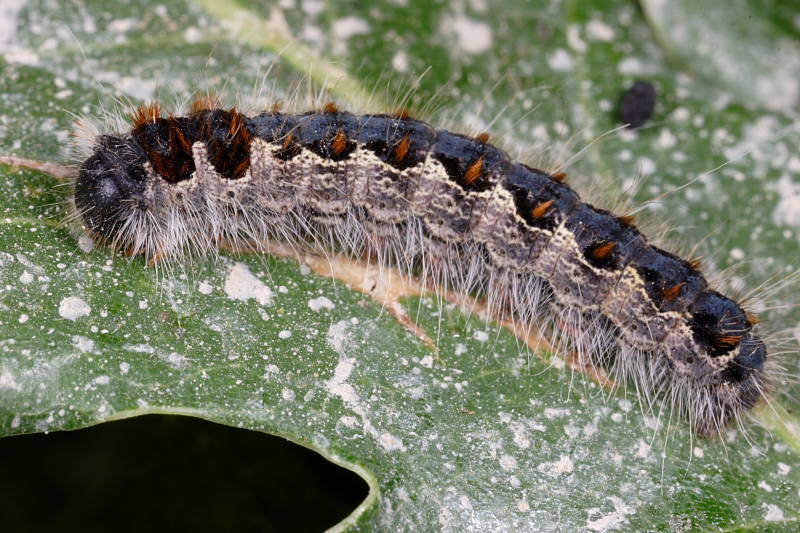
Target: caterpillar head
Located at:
point(110, 183)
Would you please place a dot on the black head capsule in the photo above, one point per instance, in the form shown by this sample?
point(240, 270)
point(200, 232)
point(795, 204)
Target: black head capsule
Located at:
point(110, 183)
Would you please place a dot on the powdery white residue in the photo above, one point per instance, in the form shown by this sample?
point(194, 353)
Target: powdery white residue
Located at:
point(320, 303)
point(124, 367)
point(337, 386)
point(772, 513)
point(556, 412)
point(25, 278)
point(102, 380)
point(139, 88)
point(480, 336)
point(349, 421)
point(284, 334)
point(522, 505)
point(560, 60)
point(564, 465)
point(390, 443)
point(642, 449)
point(346, 27)
point(646, 166)
point(599, 31)
point(9, 43)
point(288, 394)
point(174, 359)
point(666, 140)
point(338, 337)
point(787, 211)
point(313, 7)
point(139, 348)
point(472, 36)
point(123, 25)
point(761, 140)
point(242, 285)
point(520, 437)
point(192, 35)
point(737, 254)
point(82, 343)
point(73, 308)
point(205, 287)
point(8, 382)
point(508, 462)
point(400, 61)
point(630, 66)
point(427, 361)
point(613, 520)
point(85, 243)
point(574, 38)
point(22, 258)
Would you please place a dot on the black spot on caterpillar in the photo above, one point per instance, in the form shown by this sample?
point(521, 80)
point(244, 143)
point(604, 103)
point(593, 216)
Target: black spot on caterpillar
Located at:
point(450, 208)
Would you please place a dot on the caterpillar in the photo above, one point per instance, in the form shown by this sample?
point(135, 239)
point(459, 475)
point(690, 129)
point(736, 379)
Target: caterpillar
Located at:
point(452, 209)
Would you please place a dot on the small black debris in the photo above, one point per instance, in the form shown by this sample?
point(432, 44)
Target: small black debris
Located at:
point(637, 104)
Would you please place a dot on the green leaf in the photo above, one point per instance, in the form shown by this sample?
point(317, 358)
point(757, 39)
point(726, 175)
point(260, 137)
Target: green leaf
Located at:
point(474, 434)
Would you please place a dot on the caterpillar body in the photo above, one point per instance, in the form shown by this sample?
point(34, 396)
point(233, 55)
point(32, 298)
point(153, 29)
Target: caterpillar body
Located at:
point(452, 209)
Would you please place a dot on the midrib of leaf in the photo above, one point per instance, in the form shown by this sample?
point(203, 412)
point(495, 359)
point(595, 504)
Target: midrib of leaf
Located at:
point(253, 29)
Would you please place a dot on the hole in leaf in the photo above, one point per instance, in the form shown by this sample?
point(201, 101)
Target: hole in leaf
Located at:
point(170, 473)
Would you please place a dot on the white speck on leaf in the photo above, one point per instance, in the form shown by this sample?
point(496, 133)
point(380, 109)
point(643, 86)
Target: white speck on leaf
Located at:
point(85, 243)
point(772, 513)
point(599, 31)
point(480, 336)
point(612, 520)
point(205, 287)
point(560, 60)
point(73, 308)
point(346, 27)
point(317, 304)
point(472, 36)
point(82, 343)
point(8, 382)
point(390, 442)
point(508, 462)
point(564, 465)
point(242, 285)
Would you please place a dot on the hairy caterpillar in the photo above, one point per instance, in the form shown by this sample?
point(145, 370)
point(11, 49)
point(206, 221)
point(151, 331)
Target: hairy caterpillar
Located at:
point(455, 210)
